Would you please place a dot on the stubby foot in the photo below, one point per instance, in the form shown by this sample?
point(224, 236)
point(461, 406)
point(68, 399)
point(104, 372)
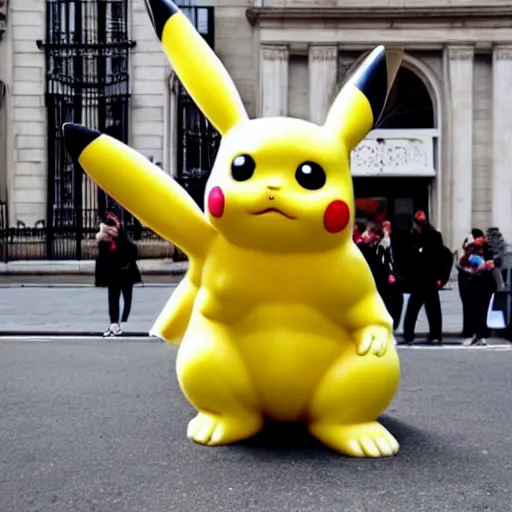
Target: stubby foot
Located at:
point(362, 440)
point(213, 430)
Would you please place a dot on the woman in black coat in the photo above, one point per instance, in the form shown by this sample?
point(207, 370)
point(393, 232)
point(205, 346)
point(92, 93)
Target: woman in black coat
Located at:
point(392, 292)
point(476, 286)
point(117, 270)
point(368, 244)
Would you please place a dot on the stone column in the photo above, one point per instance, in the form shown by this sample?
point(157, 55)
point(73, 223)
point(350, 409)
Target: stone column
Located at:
point(502, 140)
point(460, 73)
point(323, 70)
point(274, 80)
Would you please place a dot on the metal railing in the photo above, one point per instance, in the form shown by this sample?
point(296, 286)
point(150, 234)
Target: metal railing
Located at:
point(21, 242)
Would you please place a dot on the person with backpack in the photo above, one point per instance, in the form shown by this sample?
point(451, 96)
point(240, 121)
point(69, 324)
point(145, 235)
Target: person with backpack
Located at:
point(117, 270)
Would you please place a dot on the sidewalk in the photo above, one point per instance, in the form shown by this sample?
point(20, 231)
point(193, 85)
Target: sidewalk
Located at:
point(74, 309)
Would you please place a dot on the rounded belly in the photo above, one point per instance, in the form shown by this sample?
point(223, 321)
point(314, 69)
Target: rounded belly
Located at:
point(287, 359)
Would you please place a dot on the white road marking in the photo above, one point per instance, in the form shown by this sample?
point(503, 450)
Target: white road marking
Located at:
point(507, 346)
point(74, 338)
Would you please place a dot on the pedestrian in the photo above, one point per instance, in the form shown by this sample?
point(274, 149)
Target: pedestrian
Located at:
point(463, 276)
point(479, 237)
point(424, 273)
point(496, 247)
point(359, 229)
point(368, 242)
point(496, 244)
point(476, 286)
point(117, 270)
point(392, 284)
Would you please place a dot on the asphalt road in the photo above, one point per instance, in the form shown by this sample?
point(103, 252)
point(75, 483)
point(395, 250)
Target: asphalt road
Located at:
point(99, 426)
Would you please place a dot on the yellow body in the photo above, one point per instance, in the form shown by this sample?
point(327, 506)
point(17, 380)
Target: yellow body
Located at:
point(278, 315)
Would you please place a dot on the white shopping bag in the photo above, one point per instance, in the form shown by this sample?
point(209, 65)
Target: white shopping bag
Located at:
point(495, 317)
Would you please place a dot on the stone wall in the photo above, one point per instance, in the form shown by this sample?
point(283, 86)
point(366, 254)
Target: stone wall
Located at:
point(149, 77)
point(482, 141)
point(235, 47)
point(298, 87)
point(26, 112)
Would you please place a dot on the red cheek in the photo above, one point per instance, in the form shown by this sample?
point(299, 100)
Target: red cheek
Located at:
point(336, 216)
point(216, 202)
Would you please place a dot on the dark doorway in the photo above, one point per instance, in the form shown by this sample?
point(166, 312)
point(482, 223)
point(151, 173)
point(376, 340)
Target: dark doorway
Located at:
point(409, 104)
point(395, 199)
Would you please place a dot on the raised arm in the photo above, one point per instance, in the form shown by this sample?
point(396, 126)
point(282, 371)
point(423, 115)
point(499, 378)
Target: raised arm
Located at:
point(150, 194)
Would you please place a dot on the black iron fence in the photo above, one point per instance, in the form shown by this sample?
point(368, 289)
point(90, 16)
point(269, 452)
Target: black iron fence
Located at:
point(21, 242)
point(87, 49)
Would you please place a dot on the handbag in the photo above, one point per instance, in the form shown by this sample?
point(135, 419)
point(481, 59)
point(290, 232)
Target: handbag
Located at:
point(496, 318)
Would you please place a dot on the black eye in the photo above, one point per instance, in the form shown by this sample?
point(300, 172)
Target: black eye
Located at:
point(310, 176)
point(242, 168)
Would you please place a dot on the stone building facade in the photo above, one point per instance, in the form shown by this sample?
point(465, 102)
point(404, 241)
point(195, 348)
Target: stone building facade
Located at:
point(290, 57)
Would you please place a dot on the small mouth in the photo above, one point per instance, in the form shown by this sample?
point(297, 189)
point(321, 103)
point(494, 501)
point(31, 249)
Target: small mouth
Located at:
point(274, 210)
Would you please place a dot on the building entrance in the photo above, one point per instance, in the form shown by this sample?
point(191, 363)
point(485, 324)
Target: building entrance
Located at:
point(395, 182)
point(394, 199)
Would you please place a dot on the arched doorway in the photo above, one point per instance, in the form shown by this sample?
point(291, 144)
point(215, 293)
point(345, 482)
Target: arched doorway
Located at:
point(411, 110)
point(410, 105)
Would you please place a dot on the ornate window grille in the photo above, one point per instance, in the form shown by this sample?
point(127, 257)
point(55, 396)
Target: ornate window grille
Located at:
point(87, 51)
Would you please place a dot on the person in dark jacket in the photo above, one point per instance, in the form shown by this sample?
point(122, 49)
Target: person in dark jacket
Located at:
point(496, 246)
point(117, 270)
point(424, 274)
point(376, 247)
point(391, 286)
point(368, 243)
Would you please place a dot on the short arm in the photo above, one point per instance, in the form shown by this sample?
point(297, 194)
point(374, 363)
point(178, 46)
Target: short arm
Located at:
point(157, 200)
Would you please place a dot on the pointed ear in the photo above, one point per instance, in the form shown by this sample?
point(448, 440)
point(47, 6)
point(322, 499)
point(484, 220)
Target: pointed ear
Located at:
point(198, 68)
point(360, 103)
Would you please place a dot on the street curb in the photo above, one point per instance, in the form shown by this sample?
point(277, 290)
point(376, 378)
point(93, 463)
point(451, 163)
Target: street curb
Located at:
point(79, 285)
point(87, 267)
point(68, 334)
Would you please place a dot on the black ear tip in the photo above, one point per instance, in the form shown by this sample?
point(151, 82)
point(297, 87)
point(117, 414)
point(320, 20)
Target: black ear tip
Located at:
point(160, 11)
point(77, 137)
point(373, 80)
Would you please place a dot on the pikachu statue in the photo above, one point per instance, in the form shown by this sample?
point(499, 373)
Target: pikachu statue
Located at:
point(278, 316)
